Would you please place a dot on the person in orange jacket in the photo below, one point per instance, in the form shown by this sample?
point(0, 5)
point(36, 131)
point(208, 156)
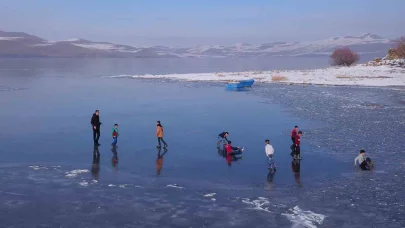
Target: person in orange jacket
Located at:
point(159, 134)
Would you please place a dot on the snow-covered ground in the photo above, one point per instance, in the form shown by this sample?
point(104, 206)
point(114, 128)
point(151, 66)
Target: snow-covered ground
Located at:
point(10, 38)
point(361, 75)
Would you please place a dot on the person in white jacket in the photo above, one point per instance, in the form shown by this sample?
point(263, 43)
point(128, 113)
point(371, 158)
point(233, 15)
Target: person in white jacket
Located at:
point(269, 153)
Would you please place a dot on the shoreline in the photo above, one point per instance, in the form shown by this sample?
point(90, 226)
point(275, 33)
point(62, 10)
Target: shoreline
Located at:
point(358, 75)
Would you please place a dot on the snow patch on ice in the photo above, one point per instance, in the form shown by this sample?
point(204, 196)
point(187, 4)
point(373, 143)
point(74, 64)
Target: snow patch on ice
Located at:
point(123, 185)
point(75, 172)
point(84, 183)
point(175, 186)
point(258, 204)
point(358, 75)
point(36, 167)
point(307, 219)
point(210, 195)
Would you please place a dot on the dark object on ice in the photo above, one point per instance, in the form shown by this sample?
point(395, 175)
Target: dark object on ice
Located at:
point(367, 164)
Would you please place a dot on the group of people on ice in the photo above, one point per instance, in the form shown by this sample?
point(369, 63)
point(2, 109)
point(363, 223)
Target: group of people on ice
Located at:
point(364, 162)
point(95, 123)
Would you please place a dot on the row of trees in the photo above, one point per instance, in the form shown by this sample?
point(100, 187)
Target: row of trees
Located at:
point(346, 57)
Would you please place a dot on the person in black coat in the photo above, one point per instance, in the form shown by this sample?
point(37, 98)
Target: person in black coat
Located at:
point(95, 123)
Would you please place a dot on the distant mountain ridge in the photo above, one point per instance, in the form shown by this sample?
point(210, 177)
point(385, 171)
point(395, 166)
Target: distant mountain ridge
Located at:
point(19, 44)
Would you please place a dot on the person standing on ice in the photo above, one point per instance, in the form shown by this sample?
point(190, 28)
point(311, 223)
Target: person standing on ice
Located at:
point(115, 135)
point(160, 134)
point(95, 123)
point(297, 151)
point(269, 153)
point(293, 135)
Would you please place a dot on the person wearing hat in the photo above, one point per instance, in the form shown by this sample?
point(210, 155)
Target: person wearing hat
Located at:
point(364, 163)
point(159, 134)
point(223, 136)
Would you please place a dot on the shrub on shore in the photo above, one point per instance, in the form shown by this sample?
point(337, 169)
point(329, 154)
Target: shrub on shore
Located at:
point(400, 47)
point(277, 78)
point(344, 57)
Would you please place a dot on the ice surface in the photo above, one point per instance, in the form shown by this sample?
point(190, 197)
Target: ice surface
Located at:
point(84, 183)
point(210, 195)
point(76, 172)
point(36, 167)
point(261, 204)
point(174, 186)
point(343, 120)
point(302, 218)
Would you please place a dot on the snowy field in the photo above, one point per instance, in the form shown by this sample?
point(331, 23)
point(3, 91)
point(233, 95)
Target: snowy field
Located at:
point(359, 75)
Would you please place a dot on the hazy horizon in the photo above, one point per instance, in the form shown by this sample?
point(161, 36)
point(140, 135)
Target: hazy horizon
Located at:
point(184, 23)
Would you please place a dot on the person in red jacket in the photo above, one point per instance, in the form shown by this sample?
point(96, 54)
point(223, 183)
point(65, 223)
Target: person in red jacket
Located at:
point(297, 154)
point(293, 134)
point(230, 150)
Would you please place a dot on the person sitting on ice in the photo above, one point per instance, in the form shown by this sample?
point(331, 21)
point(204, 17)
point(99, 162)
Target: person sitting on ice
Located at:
point(365, 163)
point(222, 136)
point(231, 150)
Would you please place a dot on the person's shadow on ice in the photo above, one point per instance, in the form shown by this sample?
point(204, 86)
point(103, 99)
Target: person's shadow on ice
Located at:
point(159, 160)
point(114, 159)
point(296, 169)
point(95, 167)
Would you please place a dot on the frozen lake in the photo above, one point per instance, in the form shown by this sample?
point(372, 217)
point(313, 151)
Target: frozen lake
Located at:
point(47, 164)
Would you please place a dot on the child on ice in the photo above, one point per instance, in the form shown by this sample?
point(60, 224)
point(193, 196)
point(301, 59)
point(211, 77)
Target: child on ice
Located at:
point(364, 163)
point(115, 135)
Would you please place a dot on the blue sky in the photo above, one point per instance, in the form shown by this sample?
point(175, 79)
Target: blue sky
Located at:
point(192, 22)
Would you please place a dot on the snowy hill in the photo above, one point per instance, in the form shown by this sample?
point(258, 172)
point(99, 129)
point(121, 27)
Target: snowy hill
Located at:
point(366, 43)
point(17, 44)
